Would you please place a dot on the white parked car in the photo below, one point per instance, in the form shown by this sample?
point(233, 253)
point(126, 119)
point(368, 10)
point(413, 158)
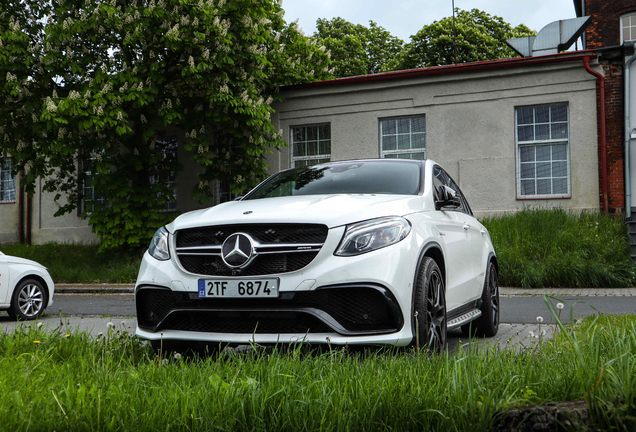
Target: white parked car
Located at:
point(368, 252)
point(26, 287)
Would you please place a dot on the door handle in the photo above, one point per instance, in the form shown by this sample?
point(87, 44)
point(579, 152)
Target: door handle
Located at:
point(466, 227)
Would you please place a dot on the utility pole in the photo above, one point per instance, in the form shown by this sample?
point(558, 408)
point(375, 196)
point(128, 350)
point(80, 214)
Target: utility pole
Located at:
point(454, 36)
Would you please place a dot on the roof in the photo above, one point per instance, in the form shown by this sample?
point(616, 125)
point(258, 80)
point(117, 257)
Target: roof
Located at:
point(455, 68)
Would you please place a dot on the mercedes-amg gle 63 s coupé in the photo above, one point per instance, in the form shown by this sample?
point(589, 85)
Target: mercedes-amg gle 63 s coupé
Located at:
point(365, 252)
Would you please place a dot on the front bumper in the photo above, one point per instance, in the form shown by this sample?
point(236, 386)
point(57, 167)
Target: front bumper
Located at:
point(339, 300)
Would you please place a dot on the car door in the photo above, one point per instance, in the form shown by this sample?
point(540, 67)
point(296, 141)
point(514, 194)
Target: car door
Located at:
point(4, 279)
point(456, 241)
point(476, 260)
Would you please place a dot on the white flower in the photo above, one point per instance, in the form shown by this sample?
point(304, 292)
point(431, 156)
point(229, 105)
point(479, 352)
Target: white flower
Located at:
point(100, 335)
point(531, 334)
point(539, 319)
point(165, 361)
point(177, 356)
point(542, 332)
point(110, 325)
point(40, 325)
point(560, 306)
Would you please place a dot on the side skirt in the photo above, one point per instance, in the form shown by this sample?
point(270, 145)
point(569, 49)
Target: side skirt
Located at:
point(463, 315)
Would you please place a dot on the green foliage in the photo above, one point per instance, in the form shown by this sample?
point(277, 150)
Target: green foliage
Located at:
point(475, 36)
point(556, 248)
point(102, 83)
point(356, 49)
point(77, 263)
point(66, 380)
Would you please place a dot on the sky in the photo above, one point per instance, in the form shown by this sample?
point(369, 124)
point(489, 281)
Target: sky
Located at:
point(403, 18)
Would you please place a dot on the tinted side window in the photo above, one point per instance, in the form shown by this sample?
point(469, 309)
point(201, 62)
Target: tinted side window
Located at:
point(439, 179)
point(465, 208)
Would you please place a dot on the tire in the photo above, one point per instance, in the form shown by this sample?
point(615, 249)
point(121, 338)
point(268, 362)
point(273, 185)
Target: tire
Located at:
point(487, 324)
point(28, 300)
point(429, 308)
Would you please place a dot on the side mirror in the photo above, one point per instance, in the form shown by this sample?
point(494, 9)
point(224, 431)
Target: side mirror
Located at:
point(447, 198)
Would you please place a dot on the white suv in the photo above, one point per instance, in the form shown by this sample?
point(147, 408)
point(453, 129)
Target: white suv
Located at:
point(380, 251)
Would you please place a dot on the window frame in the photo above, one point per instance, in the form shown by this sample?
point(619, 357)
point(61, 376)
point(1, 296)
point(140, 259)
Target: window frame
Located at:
point(316, 159)
point(7, 162)
point(85, 201)
point(411, 149)
point(171, 182)
point(621, 29)
point(547, 142)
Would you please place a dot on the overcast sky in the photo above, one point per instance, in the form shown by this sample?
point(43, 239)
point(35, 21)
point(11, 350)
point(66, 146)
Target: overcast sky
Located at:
point(404, 18)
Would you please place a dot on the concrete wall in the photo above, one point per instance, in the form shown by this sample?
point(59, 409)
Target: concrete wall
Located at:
point(470, 125)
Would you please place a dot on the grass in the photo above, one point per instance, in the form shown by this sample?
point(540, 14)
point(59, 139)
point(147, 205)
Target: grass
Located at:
point(76, 263)
point(64, 380)
point(557, 248)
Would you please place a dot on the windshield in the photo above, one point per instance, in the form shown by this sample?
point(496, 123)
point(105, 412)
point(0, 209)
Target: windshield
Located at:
point(366, 177)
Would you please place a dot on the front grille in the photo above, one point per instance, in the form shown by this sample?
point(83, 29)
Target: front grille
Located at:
point(279, 248)
point(264, 233)
point(346, 310)
point(213, 265)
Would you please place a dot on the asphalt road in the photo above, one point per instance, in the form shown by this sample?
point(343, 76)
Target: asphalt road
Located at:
point(514, 309)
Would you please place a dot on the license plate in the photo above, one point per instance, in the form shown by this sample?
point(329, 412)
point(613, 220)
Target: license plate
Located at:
point(238, 288)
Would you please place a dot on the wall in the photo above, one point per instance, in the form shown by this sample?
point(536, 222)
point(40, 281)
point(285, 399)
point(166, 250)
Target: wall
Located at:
point(470, 125)
point(604, 31)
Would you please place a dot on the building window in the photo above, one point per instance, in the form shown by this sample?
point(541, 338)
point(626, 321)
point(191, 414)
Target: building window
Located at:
point(168, 147)
point(543, 163)
point(310, 145)
point(403, 138)
point(7, 182)
point(628, 28)
point(90, 197)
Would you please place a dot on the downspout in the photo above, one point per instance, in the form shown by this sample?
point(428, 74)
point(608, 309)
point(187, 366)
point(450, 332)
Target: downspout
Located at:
point(21, 210)
point(601, 81)
point(628, 181)
point(29, 200)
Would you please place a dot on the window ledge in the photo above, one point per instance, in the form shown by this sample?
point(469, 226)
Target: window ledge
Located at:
point(543, 197)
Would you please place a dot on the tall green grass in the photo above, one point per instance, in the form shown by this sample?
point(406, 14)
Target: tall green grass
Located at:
point(558, 248)
point(65, 380)
point(77, 263)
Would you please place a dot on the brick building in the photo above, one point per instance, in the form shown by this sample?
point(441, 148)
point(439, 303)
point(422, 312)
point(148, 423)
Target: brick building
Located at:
point(611, 34)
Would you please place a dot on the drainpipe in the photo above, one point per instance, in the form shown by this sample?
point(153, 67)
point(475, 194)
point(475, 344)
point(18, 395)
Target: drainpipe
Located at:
point(21, 209)
point(29, 201)
point(628, 181)
point(601, 81)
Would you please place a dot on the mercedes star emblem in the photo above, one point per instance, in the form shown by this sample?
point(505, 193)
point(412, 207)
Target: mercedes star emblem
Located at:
point(237, 250)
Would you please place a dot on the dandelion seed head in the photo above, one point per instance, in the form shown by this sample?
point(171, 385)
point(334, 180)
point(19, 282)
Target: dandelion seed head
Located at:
point(539, 319)
point(110, 325)
point(560, 306)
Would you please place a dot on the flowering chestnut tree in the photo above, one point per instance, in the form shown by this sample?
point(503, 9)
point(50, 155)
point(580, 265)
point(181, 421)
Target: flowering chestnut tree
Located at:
point(97, 85)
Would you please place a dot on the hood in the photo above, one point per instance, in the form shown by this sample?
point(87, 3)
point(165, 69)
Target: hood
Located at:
point(15, 260)
point(330, 210)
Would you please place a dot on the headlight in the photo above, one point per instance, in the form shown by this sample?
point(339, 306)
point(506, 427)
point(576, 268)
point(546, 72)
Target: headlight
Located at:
point(159, 245)
point(373, 234)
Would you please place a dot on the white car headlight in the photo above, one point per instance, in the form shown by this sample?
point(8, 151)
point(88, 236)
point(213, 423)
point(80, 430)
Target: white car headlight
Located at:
point(367, 236)
point(159, 245)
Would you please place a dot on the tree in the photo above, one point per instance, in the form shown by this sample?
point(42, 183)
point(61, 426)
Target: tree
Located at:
point(103, 82)
point(476, 36)
point(356, 49)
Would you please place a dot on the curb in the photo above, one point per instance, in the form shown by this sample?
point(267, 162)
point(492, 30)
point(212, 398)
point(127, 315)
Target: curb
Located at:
point(67, 288)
